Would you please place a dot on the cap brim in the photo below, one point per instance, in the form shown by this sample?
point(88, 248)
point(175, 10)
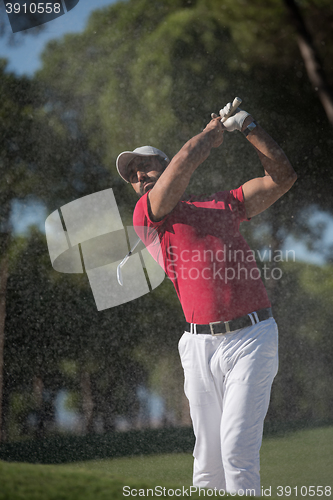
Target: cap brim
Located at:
point(123, 160)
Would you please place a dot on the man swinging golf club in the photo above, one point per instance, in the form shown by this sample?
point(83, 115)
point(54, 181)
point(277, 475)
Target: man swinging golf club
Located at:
point(229, 350)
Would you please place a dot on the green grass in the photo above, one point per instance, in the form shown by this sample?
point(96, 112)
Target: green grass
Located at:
point(46, 482)
point(170, 468)
point(303, 458)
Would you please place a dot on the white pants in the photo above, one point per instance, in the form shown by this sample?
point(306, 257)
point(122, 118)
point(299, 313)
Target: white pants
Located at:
point(228, 381)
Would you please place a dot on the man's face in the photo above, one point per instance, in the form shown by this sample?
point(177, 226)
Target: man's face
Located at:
point(143, 172)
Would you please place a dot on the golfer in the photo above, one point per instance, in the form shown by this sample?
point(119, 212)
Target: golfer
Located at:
point(229, 349)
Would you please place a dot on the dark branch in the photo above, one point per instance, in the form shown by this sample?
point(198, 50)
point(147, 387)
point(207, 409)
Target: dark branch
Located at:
point(312, 61)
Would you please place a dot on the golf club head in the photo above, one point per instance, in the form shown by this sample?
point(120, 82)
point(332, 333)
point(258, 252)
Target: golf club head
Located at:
point(119, 276)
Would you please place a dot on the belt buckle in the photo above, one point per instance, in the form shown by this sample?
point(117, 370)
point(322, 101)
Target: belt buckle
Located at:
point(225, 323)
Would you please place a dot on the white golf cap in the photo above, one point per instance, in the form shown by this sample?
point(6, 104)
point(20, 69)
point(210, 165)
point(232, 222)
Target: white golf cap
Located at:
point(125, 157)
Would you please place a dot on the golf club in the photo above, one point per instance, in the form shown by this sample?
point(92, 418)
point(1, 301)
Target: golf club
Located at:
point(235, 103)
point(119, 274)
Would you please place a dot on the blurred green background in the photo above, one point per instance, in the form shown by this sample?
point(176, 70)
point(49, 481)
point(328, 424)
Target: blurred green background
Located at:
point(151, 72)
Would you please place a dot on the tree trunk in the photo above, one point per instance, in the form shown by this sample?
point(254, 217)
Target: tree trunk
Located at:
point(37, 390)
point(87, 401)
point(3, 286)
point(312, 61)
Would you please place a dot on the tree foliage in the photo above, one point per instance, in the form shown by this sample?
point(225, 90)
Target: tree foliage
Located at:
point(148, 73)
point(144, 72)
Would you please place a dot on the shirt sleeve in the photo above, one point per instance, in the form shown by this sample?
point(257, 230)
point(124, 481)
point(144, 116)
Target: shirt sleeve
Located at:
point(148, 231)
point(141, 215)
point(235, 200)
point(240, 203)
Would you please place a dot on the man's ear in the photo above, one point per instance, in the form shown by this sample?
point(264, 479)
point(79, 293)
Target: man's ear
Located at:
point(164, 162)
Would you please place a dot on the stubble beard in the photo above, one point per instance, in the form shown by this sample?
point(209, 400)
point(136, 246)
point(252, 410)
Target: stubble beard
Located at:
point(142, 187)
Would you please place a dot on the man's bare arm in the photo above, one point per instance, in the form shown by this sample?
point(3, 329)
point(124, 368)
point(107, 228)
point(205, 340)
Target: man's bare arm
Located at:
point(262, 192)
point(170, 187)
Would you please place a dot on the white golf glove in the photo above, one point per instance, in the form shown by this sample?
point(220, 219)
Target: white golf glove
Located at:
point(236, 121)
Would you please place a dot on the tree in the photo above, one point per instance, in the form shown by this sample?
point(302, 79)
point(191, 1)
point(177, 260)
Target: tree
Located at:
point(145, 73)
point(14, 119)
point(137, 74)
point(312, 61)
point(3, 285)
point(40, 158)
point(302, 390)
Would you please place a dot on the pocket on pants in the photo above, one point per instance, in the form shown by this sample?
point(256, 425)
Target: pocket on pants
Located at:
point(199, 385)
point(198, 390)
point(182, 344)
point(258, 362)
point(271, 339)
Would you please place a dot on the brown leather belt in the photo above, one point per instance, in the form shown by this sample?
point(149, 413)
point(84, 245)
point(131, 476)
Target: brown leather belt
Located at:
point(221, 327)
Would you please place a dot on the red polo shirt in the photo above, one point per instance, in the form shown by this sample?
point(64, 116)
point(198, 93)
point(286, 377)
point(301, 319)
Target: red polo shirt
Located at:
point(203, 253)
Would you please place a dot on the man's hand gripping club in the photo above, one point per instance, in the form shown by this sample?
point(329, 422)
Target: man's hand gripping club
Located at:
point(232, 117)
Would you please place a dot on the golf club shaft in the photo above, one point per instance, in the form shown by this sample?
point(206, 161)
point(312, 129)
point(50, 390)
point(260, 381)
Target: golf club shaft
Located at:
point(235, 103)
